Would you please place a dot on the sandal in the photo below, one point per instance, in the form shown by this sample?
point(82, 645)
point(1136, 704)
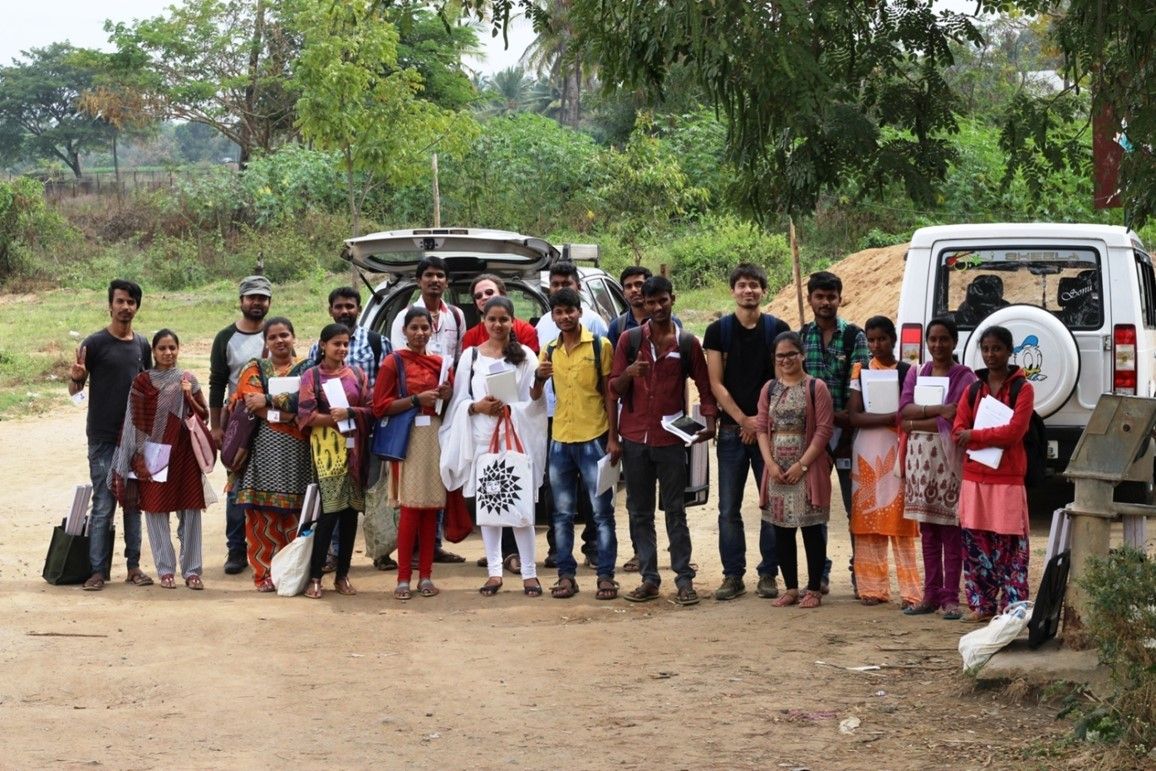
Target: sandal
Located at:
point(443, 556)
point(402, 591)
point(426, 588)
point(789, 597)
point(922, 609)
point(811, 599)
point(343, 586)
point(194, 582)
point(513, 564)
point(138, 578)
point(490, 587)
point(313, 590)
point(870, 601)
point(532, 589)
point(644, 593)
point(976, 617)
point(565, 588)
point(168, 581)
point(266, 585)
point(686, 596)
point(94, 583)
point(607, 589)
point(631, 565)
point(952, 613)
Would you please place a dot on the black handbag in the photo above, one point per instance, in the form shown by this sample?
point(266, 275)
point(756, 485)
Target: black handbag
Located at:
point(391, 436)
point(67, 560)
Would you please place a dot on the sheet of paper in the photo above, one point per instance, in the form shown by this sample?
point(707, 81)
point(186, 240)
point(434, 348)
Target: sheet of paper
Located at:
point(335, 395)
point(931, 390)
point(284, 385)
point(990, 413)
point(74, 525)
point(447, 365)
point(880, 391)
point(503, 385)
point(309, 508)
point(156, 458)
point(608, 474)
point(836, 435)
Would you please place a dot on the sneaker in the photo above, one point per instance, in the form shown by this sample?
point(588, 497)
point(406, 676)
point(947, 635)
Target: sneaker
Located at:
point(768, 587)
point(236, 563)
point(732, 587)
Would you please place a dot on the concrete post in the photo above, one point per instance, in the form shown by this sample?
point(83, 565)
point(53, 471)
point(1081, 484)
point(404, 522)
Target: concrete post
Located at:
point(1092, 515)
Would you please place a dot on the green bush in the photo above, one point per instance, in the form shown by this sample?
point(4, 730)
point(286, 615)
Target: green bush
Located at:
point(705, 254)
point(30, 232)
point(1121, 590)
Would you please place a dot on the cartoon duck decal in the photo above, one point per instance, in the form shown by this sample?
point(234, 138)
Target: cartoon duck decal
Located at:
point(1030, 358)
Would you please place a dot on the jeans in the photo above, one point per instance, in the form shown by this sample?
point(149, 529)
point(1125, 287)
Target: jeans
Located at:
point(734, 458)
point(234, 526)
point(644, 465)
point(103, 506)
point(568, 462)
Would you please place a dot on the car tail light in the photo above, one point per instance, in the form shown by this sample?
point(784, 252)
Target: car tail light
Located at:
point(911, 343)
point(1124, 359)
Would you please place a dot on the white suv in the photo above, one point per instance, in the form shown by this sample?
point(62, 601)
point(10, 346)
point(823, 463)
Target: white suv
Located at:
point(1080, 301)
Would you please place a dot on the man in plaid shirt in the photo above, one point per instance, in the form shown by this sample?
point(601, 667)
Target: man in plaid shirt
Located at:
point(831, 346)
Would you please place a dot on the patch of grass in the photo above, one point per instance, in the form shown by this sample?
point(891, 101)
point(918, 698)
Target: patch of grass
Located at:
point(39, 333)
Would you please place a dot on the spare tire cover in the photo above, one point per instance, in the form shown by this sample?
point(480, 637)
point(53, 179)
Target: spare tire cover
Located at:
point(1043, 347)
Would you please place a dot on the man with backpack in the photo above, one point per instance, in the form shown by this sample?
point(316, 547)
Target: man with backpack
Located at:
point(651, 366)
point(584, 431)
point(831, 346)
point(740, 359)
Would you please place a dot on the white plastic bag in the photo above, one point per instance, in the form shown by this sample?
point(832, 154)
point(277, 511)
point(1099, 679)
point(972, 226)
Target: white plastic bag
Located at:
point(979, 646)
point(290, 566)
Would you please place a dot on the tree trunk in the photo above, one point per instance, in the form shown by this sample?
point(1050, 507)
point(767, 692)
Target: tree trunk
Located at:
point(246, 139)
point(354, 210)
point(115, 163)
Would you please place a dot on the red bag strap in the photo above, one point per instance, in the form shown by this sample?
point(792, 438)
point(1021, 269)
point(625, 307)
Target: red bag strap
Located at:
point(513, 441)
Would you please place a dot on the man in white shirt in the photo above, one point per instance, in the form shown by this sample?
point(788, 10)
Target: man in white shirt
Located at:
point(449, 323)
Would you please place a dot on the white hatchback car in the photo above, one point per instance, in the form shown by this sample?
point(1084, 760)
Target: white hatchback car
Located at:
point(1080, 301)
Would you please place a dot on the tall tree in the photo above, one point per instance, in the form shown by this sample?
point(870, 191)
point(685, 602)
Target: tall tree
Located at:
point(355, 100)
point(554, 53)
point(118, 101)
point(224, 63)
point(40, 111)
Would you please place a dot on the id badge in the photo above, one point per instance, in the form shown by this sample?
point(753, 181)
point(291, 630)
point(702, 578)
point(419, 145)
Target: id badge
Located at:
point(421, 420)
point(273, 416)
point(350, 442)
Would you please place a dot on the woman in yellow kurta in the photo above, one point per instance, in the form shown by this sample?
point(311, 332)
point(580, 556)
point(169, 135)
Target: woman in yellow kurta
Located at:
point(877, 490)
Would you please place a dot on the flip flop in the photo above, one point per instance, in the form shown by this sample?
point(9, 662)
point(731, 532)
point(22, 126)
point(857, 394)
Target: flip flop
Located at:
point(426, 588)
point(490, 589)
point(402, 592)
point(532, 590)
point(139, 578)
point(168, 581)
point(93, 584)
point(194, 582)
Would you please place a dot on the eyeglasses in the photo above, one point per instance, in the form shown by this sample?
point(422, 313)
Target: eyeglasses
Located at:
point(787, 356)
point(485, 293)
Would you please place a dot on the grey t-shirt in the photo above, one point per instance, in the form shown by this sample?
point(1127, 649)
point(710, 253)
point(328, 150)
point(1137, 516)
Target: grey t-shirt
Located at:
point(112, 364)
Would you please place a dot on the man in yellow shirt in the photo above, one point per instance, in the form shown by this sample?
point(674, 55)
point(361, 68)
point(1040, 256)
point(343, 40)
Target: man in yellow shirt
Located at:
point(585, 430)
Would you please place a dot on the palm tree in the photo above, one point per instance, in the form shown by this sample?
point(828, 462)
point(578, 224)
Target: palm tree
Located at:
point(553, 54)
point(507, 92)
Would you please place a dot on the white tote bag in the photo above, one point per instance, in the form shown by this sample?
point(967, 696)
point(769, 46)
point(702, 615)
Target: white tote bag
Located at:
point(505, 480)
point(289, 568)
point(979, 646)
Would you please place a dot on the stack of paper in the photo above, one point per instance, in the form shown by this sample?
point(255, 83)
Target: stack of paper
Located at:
point(284, 385)
point(880, 390)
point(684, 427)
point(991, 413)
point(310, 508)
point(502, 384)
point(335, 395)
point(76, 522)
point(608, 475)
point(930, 391)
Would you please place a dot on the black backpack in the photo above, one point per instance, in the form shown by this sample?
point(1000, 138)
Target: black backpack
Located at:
point(1035, 440)
point(634, 342)
point(553, 344)
point(1045, 620)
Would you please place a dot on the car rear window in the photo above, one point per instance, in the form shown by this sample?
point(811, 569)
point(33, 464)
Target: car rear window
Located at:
point(972, 283)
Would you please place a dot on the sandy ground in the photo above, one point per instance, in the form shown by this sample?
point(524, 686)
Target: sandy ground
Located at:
point(148, 678)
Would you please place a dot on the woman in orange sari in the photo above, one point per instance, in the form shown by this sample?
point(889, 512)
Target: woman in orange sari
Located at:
point(877, 490)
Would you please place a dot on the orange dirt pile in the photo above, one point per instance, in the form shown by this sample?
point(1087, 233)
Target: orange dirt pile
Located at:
point(871, 281)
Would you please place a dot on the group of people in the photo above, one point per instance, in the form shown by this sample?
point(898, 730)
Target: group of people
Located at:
point(787, 406)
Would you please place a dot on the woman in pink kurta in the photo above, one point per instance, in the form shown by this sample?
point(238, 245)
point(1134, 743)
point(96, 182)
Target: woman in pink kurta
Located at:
point(795, 420)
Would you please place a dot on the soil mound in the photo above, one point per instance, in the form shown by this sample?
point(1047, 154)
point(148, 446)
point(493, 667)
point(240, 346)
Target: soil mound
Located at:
point(871, 282)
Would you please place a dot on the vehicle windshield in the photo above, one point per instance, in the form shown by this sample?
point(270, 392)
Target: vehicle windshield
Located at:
point(1066, 281)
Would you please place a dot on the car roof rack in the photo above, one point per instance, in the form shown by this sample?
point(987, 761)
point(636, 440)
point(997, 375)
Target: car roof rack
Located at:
point(589, 253)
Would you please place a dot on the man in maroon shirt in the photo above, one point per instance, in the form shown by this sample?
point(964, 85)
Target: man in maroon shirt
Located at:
point(651, 366)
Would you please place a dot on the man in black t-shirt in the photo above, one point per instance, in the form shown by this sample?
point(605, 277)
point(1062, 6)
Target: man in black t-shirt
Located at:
point(740, 359)
point(112, 357)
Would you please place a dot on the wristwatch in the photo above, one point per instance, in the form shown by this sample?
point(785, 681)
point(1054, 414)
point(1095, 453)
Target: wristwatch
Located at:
point(413, 400)
point(803, 466)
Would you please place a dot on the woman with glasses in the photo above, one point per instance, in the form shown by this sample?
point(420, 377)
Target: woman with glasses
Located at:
point(794, 423)
point(484, 288)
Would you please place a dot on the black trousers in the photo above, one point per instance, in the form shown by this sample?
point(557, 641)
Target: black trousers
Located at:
point(345, 522)
point(814, 544)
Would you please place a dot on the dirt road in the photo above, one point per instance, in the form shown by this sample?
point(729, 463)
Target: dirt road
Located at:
point(146, 678)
